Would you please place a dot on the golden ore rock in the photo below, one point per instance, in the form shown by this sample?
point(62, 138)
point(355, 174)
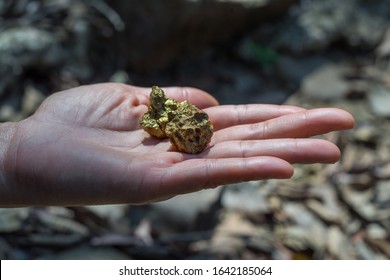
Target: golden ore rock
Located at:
point(188, 128)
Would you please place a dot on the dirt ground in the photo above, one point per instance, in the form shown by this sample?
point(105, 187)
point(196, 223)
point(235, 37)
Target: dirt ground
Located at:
point(306, 55)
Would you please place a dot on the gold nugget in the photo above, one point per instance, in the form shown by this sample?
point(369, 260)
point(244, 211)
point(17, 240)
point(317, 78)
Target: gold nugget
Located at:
point(188, 128)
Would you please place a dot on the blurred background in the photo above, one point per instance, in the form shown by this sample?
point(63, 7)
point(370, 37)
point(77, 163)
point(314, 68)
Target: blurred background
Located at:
point(310, 53)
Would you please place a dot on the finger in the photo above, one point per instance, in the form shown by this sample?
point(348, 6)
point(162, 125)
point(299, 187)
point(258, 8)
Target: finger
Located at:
point(291, 150)
point(231, 115)
point(295, 125)
point(196, 174)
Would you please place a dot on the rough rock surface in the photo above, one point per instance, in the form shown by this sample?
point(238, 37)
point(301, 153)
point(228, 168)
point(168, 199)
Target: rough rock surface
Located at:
point(178, 27)
point(315, 25)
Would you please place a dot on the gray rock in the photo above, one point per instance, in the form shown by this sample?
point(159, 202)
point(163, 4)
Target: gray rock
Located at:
point(379, 99)
point(181, 211)
point(26, 46)
point(314, 25)
point(306, 222)
point(247, 197)
point(326, 83)
point(112, 213)
point(382, 197)
point(360, 202)
point(12, 219)
point(178, 27)
point(383, 50)
point(294, 69)
point(339, 245)
point(376, 231)
point(365, 252)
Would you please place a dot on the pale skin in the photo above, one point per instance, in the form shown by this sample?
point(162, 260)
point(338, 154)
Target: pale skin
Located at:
point(86, 146)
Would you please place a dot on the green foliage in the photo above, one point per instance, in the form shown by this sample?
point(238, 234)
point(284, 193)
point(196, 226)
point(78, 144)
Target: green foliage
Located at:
point(264, 56)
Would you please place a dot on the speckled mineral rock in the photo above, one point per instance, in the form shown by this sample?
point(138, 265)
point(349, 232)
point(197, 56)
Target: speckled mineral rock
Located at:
point(187, 127)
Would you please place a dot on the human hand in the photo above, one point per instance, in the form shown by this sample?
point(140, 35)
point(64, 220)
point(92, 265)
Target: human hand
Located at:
point(85, 146)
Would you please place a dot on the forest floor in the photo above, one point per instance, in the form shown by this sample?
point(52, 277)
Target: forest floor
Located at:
point(336, 211)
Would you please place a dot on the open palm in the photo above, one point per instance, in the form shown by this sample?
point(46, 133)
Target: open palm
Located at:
point(86, 146)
